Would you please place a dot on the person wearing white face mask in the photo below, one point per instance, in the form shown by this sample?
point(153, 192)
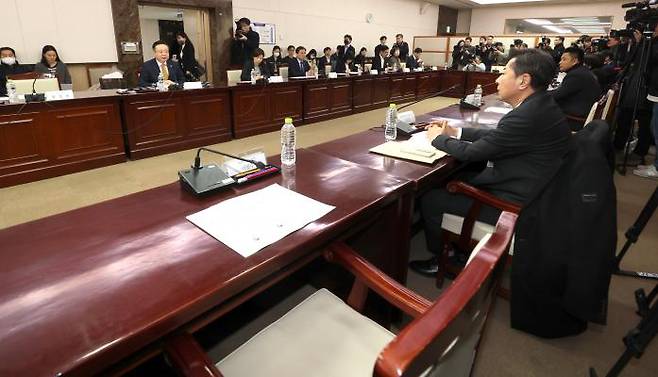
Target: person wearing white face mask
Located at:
point(9, 66)
point(274, 61)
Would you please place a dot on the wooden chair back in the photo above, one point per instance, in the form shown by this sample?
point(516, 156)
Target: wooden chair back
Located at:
point(455, 321)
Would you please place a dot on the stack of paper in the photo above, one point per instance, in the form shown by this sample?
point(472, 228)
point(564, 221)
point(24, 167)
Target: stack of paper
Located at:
point(417, 148)
point(255, 220)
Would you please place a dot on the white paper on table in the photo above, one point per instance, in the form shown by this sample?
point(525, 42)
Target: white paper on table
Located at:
point(419, 140)
point(255, 220)
point(498, 110)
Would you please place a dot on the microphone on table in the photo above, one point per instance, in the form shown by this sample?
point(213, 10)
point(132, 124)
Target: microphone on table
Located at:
point(34, 96)
point(202, 180)
point(407, 129)
point(197, 159)
point(466, 103)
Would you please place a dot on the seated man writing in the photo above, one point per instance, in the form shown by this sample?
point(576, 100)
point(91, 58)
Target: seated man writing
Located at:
point(529, 141)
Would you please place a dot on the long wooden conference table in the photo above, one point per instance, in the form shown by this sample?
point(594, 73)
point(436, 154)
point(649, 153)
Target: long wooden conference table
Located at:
point(99, 128)
point(97, 289)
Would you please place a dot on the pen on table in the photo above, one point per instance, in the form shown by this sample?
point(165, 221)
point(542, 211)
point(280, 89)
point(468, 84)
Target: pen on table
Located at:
point(242, 174)
point(257, 174)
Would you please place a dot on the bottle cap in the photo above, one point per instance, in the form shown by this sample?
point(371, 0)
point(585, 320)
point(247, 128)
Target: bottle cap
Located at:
point(392, 106)
point(288, 120)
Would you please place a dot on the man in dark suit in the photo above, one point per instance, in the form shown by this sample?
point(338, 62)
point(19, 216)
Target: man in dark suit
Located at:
point(382, 43)
point(290, 58)
point(403, 46)
point(380, 62)
point(529, 140)
point(151, 69)
point(415, 60)
point(299, 66)
point(558, 49)
point(345, 49)
point(579, 88)
point(325, 60)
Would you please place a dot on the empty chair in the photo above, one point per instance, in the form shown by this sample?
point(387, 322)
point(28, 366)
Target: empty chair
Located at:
point(466, 232)
point(325, 335)
point(233, 76)
point(283, 71)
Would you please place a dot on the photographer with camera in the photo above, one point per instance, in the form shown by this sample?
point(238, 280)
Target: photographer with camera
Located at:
point(651, 171)
point(245, 42)
point(466, 54)
point(633, 92)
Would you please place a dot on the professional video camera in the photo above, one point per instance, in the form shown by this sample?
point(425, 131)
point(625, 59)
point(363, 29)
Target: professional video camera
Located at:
point(642, 13)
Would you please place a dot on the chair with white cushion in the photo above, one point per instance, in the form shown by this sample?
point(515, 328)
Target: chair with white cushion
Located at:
point(283, 71)
point(608, 109)
point(466, 232)
point(325, 336)
point(233, 76)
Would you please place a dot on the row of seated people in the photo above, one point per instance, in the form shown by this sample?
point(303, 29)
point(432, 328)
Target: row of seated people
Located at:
point(50, 66)
point(300, 63)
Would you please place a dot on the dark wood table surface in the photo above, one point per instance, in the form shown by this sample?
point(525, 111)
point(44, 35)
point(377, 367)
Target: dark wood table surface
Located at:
point(85, 289)
point(355, 148)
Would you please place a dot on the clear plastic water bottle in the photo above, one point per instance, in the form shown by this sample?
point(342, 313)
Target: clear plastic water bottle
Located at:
point(161, 85)
point(253, 76)
point(11, 91)
point(288, 136)
point(390, 125)
point(477, 95)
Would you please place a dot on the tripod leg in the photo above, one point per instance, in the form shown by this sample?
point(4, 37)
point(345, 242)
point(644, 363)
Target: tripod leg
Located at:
point(632, 235)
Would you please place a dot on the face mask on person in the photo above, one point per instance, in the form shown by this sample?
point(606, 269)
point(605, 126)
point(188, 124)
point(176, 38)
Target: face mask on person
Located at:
point(9, 60)
point(276, 54)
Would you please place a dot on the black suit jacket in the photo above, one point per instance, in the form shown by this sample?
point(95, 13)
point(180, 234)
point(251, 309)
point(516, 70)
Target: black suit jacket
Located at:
point(273, 65)
point(342, 52)
point(8, 70)
point(378, 48)
point(412, 63)
point(341, 68)
point(249, 65)
point(578, 92)
point(151, 71)
point(295, 70)
point(323, 62)
point(404, 50)
point(565, 243)
point(529, 140)
point(379, 64)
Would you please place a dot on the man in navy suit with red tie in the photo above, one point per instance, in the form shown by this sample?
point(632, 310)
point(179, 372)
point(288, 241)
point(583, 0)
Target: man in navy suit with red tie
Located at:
point(151, 69)
point(299, 66)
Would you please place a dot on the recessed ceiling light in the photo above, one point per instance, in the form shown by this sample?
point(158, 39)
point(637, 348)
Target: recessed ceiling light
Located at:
point(536, 21)
point(556, 29)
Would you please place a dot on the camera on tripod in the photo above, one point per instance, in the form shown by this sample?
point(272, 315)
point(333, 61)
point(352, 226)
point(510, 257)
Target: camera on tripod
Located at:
point(641, 16)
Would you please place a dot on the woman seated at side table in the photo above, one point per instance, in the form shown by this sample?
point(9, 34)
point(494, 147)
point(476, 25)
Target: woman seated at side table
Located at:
point(256, 63)
point(51, 65)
